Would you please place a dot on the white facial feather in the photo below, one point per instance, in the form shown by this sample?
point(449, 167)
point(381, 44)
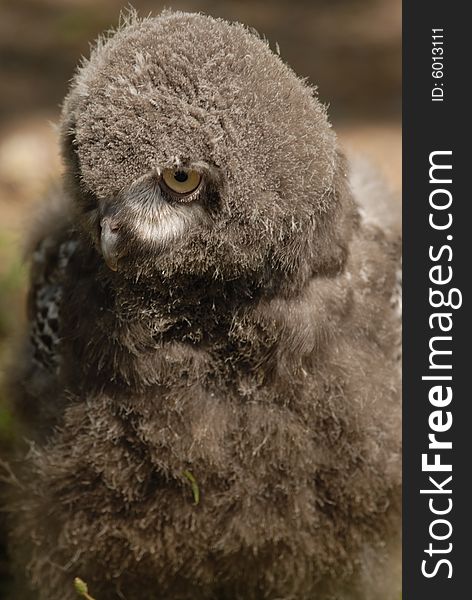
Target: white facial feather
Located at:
point(154, 220)
point(168, 223)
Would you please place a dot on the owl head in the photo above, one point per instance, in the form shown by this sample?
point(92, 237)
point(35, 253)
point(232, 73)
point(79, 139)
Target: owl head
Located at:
point(191, 149)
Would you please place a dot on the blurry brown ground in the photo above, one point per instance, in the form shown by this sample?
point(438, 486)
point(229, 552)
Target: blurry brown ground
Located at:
point(350, 48)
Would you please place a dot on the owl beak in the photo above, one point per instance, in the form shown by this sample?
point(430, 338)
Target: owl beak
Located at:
point(109, 242)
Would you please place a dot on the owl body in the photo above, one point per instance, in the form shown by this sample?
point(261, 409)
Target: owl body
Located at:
point(212, 375)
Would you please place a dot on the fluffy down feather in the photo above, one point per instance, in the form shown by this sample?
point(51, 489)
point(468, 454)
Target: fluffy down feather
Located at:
point(248, 339)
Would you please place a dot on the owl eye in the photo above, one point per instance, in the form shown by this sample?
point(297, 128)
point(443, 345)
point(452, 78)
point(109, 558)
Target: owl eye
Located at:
point(182, 183)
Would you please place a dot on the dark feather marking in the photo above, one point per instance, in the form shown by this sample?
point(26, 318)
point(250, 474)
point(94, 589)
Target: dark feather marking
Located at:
point(46, 300)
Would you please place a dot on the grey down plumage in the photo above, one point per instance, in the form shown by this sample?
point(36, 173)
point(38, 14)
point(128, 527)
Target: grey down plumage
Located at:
point(241, 341)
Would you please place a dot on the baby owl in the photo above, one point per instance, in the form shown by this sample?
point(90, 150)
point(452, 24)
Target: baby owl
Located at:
point(210, 381)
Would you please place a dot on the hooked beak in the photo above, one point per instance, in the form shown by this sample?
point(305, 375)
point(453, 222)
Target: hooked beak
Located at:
point(108, 242)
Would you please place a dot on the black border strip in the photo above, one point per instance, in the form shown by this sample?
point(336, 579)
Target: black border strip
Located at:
point(430, 126)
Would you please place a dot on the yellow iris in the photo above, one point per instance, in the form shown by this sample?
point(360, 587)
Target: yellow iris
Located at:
point(181, 181)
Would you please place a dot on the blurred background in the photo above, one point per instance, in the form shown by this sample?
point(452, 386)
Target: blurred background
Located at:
point(351, 49)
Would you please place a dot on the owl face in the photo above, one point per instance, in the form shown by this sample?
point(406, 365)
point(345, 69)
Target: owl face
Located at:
point(155, 214)
point(192, 149)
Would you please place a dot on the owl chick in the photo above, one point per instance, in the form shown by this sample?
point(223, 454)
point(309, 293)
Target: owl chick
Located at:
point(211, 377)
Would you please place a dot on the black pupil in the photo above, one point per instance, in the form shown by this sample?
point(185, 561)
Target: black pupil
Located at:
point(180, 176)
